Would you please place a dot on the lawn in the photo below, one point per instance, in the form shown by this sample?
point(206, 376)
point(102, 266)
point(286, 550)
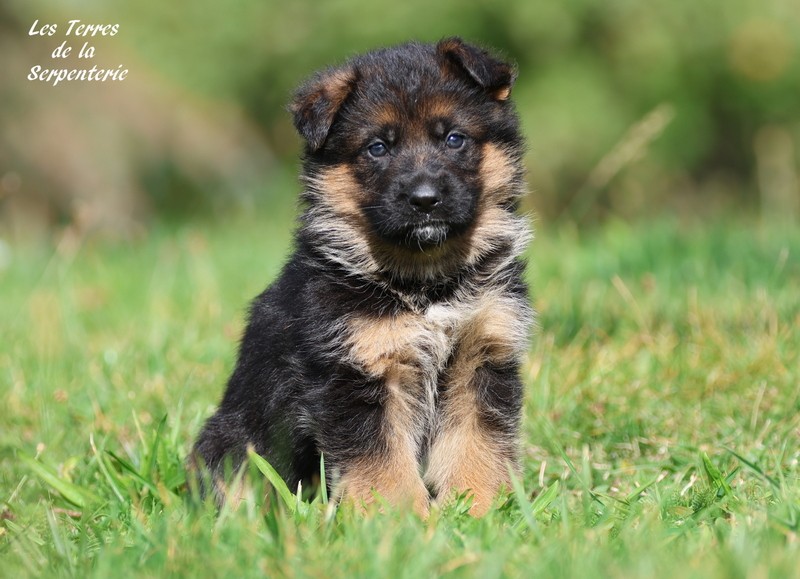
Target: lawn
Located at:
point(661, 432)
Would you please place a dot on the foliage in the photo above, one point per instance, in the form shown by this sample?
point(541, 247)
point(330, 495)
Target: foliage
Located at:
point(588, 73)
point(630, 108)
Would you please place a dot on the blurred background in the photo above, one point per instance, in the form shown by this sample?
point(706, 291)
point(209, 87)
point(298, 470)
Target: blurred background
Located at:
point(631, 109)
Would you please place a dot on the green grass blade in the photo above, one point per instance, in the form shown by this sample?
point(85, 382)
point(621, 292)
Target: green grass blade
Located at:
point(62, 545)
point(541, 502)
point(111, 477)
point(274, 479)
point(74, 494)
point(755, 468)
point(149, 466)
point(570, 465)
point(525, 506)
point(323, 481)
point(125, 465)
point(715, 476)
point(637, 493)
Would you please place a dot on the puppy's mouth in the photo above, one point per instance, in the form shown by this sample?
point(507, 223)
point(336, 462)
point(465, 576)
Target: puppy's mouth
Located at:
point(428, 234)
point(417, 235)
point(424, 236)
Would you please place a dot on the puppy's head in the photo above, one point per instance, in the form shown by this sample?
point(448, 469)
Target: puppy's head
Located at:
point(409, 151)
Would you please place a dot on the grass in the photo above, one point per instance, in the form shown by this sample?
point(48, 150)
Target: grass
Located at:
point(661, 432)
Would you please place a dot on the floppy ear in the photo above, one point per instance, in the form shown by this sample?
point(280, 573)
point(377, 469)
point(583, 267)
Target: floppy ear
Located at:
point(491, 74)
point(316, 102)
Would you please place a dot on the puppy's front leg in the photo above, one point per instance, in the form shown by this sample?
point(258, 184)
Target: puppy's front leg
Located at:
point(388, 355)
point(374, 451)
point(476, 440)
point(394, 477)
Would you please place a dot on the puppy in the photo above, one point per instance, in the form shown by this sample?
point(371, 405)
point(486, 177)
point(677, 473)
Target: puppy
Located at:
point(391, 341)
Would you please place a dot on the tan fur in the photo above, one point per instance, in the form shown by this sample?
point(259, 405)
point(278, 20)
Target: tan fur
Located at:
point(386, 116)
point(494, 224)
point(342, 192)
point(394, 476)
point(334, 86)
point(316, 104)
point(438, 108)
point(406, 351)
point(494, 227)
point(381, 344)
point(337, 85)
point(463, 458)
point(502, 93)
point(498, 173)
point(489, 327)
point(495, 331)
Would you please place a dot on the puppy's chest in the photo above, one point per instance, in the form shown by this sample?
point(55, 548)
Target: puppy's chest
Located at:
point(415, 348)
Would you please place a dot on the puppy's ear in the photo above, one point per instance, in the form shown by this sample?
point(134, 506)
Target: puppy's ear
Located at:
point(494, 76)
point(315, 104)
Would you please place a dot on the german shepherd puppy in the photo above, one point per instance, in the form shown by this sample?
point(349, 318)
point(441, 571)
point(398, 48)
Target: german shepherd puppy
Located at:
point(391, 341)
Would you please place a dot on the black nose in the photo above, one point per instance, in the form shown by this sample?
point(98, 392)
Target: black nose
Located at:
point(424, 198)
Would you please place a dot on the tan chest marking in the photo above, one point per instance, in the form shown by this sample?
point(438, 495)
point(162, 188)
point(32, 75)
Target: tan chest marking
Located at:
point(409, 350)
point(492, 328)
point(489, 329)
point(385, 345)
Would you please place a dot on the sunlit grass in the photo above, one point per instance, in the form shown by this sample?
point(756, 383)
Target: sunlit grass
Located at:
point(661, 436)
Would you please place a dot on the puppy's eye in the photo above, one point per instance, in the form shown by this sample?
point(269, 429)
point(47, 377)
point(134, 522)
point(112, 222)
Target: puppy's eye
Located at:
point(455, 140)
point(377, 149)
